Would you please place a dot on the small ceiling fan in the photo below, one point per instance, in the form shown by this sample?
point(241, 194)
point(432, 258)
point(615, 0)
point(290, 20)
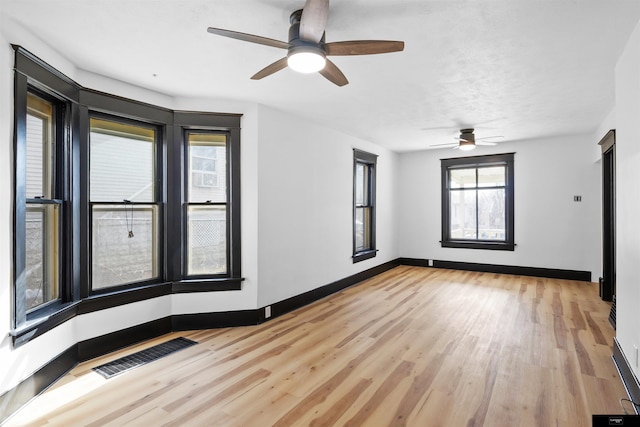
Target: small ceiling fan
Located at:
point(307, 50)
point(467, 141)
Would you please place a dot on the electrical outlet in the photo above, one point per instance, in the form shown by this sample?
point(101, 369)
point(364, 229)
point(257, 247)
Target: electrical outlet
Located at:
point(267, 312)
point(577, 198)
point(635, 349)
point(430, 263)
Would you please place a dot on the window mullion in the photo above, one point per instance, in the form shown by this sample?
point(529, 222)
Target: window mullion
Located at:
point(207, 203)
point(44, 201)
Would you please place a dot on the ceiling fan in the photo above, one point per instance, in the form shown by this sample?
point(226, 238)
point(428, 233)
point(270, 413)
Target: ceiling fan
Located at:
point(307, 50)
point(467, 141)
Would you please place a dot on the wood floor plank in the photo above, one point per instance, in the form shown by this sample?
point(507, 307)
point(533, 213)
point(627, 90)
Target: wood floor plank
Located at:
point(341, 405)
point(413, 346)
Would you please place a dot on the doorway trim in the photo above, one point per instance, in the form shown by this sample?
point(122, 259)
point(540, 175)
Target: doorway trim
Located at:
point(608, 281)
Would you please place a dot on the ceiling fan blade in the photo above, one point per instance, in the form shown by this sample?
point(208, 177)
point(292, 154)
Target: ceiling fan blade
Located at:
point(486, 143)
point(270, 69)
point(332, 73)
point(448, 144)
point(314, 20)
point(248, 38)
point(363, 47)
point(490, 137)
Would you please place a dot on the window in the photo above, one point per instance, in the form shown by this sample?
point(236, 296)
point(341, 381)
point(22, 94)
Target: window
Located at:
point(115, 200)
point(124, 202)
point(364, 215)
point(41, 176)
point(477, 202)
point(207, 231)
point(43, 204)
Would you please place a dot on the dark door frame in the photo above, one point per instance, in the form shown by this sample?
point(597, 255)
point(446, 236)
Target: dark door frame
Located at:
point(608, 281)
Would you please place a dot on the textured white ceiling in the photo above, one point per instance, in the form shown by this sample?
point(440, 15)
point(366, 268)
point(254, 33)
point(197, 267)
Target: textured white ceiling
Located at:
point(520, 68)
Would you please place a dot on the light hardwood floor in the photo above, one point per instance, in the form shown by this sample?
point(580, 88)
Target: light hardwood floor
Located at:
point(413, 346)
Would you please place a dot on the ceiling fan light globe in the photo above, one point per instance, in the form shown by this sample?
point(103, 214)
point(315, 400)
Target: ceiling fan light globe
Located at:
point(467, 147)
point(306, 62)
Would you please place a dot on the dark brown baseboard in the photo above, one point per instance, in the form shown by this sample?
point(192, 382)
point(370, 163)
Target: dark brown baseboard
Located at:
point(44, 377)
point(285, 306)
point(552, 273)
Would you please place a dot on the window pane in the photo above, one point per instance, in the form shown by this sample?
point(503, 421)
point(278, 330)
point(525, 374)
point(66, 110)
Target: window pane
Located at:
point(122, 166)
point(362, 184)
point(207, 167)
point(462, 209)
point(462, 178)
point(40, 151)
point(491, 214)
point(362, 226)
point(206, 240)
point(491, 177)
point(118, 258)
point(42, 247)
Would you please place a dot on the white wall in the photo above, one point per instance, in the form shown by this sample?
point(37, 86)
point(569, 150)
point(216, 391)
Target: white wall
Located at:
point(6, 194)
point(605, 126)
point(551, 230)
point(305, 206)
point(628, 198)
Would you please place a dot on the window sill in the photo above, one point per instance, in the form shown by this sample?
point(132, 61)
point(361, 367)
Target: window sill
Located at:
point(472, 244)
point(42, 322)
point(207, 285)
point(45, 320)
point(119, 297)
point(361, 256)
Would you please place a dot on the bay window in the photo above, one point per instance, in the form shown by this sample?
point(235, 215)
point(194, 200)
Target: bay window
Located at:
point(116, 201)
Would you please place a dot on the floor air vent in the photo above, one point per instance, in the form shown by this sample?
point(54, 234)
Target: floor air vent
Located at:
point(612, 313)
point(142, 357)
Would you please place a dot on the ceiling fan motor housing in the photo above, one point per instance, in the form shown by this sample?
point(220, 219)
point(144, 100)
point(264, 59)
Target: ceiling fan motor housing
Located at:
point(295, 17)
point(467, 135)
point(296, 44)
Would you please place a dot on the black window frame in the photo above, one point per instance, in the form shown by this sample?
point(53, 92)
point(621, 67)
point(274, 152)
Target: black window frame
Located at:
point(80, 104)
point(506, 160)
point(158, 201)
point(370, 161)
point(61, 117)
point(229, 124)
point(232, 200)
